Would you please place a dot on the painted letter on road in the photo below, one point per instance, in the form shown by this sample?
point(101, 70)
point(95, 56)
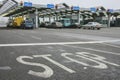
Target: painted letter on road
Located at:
point(100, 65)
point(48, 72)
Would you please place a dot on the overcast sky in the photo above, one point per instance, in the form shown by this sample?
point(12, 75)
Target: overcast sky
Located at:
point(112, 4)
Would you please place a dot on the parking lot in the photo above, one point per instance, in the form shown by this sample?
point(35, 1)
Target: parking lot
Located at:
point(60, 54)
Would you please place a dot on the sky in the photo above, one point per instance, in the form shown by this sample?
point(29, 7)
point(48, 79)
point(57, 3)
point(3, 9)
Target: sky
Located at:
point(108, 4)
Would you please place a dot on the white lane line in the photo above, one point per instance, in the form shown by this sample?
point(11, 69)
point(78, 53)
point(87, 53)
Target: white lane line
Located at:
point(5, 68)
point(57, 43)
point(107, 52)
point(36, 37)
point(111, 45)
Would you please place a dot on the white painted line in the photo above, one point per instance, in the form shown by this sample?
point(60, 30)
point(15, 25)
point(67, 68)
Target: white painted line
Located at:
point(107, 52)
point(5, 68)
point(36, 37)
point(57, 43)
point(111, 45)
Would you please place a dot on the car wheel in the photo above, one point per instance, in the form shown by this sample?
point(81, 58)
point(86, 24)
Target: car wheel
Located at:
point(84, 28)
point(93, 28)
point(89, 27)
point(98, 28)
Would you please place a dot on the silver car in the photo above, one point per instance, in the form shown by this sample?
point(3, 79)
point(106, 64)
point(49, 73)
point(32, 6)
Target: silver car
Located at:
point(56, 25)
point(92, 25)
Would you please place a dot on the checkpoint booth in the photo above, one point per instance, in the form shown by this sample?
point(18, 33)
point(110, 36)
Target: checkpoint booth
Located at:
point(60, 12)
point(48, 13)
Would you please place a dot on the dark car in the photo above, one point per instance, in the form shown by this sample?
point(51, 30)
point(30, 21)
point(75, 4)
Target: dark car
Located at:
point(44, 24)
point(27, 24)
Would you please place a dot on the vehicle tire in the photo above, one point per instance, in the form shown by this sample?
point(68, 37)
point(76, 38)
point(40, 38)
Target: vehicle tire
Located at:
point(89, 27)
point(93, 28)
point(98, 28)
point(84, 28)
point(8, 26)
point(23, 27)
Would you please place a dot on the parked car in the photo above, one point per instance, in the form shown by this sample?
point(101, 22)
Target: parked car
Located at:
point(75, 25)
point(92, 25)
point(27, 24)
point(56, 25)
point(44, 24)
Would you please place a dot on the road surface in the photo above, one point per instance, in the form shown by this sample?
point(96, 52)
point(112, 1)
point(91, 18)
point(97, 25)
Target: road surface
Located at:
point(60, 54)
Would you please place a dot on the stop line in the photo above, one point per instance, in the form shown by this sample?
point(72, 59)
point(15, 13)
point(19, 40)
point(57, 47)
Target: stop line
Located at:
point(100, 63)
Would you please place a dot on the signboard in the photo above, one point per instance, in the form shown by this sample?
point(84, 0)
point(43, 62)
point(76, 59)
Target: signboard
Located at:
point(110, 10)
point(93, 9)
point(27, 4)
point(75, 8)
point(50, 5)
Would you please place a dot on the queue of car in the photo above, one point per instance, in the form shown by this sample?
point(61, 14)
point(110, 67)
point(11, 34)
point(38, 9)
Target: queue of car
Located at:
point(64, 23)
point(58, 24)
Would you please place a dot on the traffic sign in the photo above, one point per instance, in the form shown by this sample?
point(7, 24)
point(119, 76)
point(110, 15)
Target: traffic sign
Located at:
point(75, 8)
point(110, 10)
point(93, 9)
point(27, 4)
point(50, 5)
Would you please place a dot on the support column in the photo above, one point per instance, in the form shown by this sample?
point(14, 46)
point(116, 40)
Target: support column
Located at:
point(79, 17)
point(56, 17)
point(50, 18)
point(36, 21)
point(109, 16)
point(43, 19)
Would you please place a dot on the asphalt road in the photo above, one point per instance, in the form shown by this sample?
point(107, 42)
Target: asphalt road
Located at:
point(60, 54)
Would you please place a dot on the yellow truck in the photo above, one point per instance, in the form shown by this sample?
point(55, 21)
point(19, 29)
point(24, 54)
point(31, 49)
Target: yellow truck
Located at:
point(17, 22)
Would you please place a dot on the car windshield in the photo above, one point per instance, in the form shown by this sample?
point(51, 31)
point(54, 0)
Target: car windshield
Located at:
point(28, 22)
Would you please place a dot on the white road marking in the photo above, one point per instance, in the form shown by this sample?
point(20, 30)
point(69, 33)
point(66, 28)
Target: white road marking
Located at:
point(36, 37)
point(5, 68)
point(57, 43)
point(55, 62)
point(99, 66)
point(84, 67)
point(111, 45)
point(107, 52)
point(48, 72)
point(96, 57)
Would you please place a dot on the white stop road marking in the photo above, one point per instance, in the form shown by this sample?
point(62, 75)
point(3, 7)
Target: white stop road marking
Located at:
point(48, 72)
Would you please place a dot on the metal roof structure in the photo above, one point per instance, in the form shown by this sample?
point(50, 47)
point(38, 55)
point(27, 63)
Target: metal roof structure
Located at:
point(14, 8)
